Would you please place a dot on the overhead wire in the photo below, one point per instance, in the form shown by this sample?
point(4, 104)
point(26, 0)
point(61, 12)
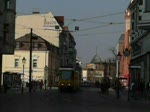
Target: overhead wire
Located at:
point(84, 19)
point(101, 16)
point(100, 33)
point(89, 20)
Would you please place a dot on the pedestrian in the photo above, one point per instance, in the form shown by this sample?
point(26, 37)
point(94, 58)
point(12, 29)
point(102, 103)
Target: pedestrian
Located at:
point(5, 88)
point(134, 90)
point(142, 87)
point(148, 90)
point(41, 84)
point(5, 84)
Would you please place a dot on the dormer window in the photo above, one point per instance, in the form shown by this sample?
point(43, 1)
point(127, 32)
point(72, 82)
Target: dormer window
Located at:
point(35, 45)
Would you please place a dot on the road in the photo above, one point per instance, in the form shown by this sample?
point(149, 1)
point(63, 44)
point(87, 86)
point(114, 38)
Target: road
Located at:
point(86, 100)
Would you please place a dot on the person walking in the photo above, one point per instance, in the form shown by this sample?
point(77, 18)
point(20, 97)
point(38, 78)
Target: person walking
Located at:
point(148, 90)
point(41, 84)
point(5, 85)
point(134, 90)
point(142, 88)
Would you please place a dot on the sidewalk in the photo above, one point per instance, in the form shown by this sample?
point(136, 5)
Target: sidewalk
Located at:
point(123, 97)
point(15, 91)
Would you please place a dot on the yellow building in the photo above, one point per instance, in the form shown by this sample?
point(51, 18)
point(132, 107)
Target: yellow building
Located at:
point(45, 59)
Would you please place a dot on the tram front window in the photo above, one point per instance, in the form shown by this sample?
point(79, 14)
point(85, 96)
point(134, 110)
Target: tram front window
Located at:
point(66, 75)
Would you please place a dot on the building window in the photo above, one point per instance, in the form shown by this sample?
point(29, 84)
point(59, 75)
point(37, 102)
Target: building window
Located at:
point(147, 5)
point(16, 63)
point(34, 63)
point(18, 45)
point(141, 2)
point(6, 33)
point(35, 45)
point(140, 18)
point(132, 25)
point(7, 4)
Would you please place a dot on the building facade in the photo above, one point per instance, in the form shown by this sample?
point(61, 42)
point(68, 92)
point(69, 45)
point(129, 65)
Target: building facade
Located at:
point(7, 29)
point(40, 26)
point(121, 49)
point(43, 25)
point(139, 40)
point(68, 52)
point(45, 60)
point(7, 26)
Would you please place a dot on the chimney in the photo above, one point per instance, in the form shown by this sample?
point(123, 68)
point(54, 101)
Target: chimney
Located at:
point(35, 12)
point(65, 28)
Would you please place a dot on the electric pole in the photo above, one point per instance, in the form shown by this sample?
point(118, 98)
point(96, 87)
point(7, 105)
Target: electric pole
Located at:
point(30, 64)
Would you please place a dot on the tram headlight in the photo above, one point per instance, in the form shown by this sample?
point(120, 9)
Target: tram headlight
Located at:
point(62, 84)
point(69, 84)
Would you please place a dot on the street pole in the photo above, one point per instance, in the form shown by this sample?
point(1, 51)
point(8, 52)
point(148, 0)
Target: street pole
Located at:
point(30, 64)
point(129, 84)
point(118, 92)
point(118, 82)
point(51, 67)
point(22, 81)
point(1, 56)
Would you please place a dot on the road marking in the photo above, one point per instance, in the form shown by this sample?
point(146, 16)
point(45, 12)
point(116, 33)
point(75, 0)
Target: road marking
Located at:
point(67, 100)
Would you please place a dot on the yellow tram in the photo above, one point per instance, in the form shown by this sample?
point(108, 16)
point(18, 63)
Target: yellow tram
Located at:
point(69, 79)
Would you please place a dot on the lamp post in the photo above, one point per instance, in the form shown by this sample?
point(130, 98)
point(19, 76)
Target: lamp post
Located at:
point(118, 56)
point(23, 62)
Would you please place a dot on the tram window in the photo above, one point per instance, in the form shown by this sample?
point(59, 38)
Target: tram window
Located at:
point(66, 75)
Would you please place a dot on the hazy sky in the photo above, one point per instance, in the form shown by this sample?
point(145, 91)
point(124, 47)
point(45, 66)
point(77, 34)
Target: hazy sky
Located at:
point(101, 22)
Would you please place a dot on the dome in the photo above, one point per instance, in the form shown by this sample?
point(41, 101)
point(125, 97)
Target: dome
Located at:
point(96, 59)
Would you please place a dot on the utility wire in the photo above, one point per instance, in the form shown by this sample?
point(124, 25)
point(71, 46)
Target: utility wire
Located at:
point(102, 26)
point(101, 16)
point(100, 33)
point(84, 19)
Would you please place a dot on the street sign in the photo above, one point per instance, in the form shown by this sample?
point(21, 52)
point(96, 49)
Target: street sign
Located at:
point(135, 66)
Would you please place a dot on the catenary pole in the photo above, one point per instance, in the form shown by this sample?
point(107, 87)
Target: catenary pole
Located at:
point(30, 64)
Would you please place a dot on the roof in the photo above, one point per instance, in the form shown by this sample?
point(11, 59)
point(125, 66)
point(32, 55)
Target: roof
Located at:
point(40, 43)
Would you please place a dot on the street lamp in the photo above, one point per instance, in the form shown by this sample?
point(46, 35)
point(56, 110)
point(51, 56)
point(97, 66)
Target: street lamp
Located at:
point(118, 56)
point(23, 62)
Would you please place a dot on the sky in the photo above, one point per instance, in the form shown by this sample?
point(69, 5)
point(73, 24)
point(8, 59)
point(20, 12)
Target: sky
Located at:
point(100, 22)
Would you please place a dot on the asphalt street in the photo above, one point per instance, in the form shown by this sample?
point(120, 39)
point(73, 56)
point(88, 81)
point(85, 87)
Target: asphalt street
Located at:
point(86, 100)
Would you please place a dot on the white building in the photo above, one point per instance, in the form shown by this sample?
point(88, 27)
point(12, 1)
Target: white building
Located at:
point(43, 25)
